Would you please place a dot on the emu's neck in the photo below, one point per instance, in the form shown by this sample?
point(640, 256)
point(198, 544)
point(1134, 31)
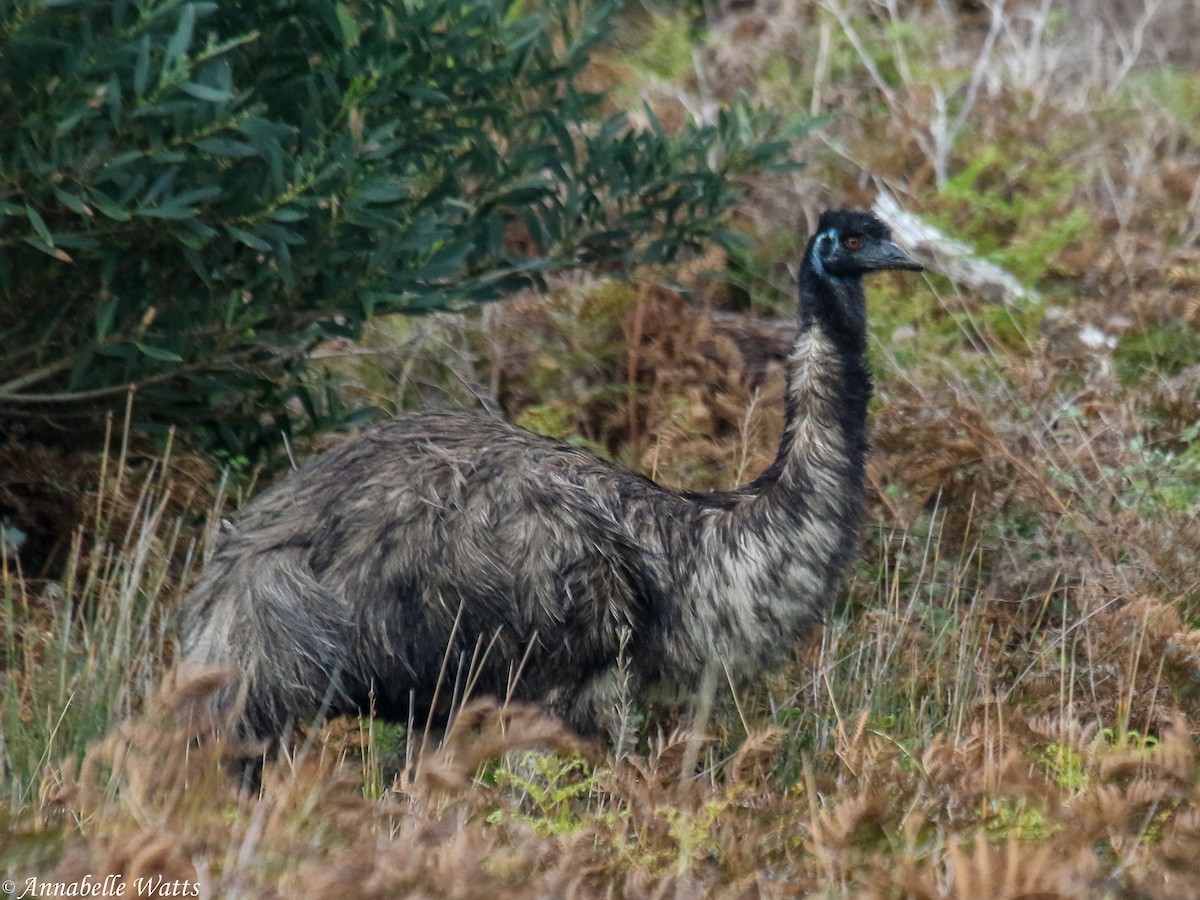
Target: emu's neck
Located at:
point(764, 570)
point(819, 468)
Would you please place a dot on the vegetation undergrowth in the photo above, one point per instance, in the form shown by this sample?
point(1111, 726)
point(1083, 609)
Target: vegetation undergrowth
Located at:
point(1006, 702)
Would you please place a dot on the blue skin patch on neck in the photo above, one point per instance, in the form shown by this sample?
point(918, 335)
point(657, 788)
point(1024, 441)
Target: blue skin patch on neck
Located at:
point(819, 249)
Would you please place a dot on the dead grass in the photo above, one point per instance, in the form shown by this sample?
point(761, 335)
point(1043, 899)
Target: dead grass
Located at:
point(1006, 704)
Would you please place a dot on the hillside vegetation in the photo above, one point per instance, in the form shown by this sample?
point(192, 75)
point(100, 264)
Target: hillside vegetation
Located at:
point(1006, 703)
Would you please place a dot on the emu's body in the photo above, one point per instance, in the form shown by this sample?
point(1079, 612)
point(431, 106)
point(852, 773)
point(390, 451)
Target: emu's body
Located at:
point(442, 542)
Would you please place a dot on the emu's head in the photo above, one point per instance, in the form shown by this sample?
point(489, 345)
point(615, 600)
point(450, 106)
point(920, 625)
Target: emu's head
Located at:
point(847, 245)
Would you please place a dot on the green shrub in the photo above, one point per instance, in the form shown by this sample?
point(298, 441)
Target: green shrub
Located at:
point(1015, 206)
point(192, 195)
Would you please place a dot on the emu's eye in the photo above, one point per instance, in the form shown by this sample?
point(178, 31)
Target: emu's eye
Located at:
point(853, 242)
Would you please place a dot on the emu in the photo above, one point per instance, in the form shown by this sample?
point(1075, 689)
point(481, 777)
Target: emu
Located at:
point(440, 542)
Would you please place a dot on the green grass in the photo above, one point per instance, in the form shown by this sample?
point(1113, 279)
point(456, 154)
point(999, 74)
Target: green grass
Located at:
point(83, 651)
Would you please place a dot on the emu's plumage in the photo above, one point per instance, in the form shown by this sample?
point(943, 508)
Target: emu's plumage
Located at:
point(343, 586)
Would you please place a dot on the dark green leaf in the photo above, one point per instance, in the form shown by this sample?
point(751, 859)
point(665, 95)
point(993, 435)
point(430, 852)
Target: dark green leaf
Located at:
point(180, 40)
point(205, 92)
point(158, 353)
point(39, 225)
point(50, 250)
point(226, 148)
point(348, 26)
point(141, 68)
point(105, 312)
point(249, 239)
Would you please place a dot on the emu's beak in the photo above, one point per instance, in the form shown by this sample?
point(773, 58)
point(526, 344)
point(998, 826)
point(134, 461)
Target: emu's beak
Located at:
point(887, 255)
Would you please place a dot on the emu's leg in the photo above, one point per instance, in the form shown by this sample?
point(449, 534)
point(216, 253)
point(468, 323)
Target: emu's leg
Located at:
point(605, 707)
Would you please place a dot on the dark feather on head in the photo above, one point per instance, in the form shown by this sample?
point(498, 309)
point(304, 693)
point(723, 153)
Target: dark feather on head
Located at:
point(855, 222)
